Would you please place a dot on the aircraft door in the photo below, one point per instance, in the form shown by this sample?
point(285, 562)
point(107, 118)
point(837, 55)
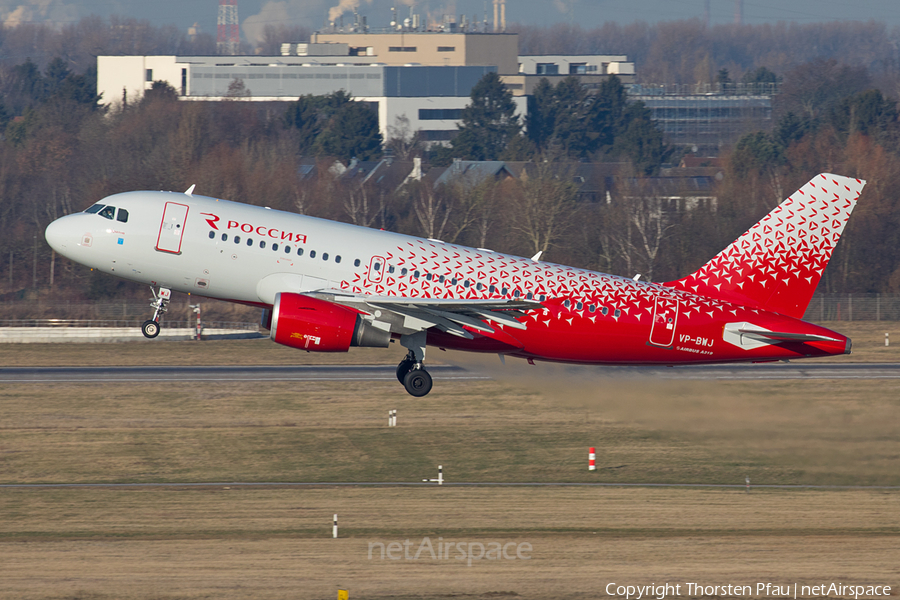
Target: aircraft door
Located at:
point(665, 319)
point(376, 269)
point(171, 230)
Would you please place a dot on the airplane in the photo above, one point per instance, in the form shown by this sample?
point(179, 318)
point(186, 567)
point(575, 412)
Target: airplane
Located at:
point(326, 286)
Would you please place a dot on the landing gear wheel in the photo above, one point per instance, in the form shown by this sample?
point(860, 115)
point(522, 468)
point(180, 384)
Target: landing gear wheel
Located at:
point(405, 367)
point(150, 329)
point(417, 382)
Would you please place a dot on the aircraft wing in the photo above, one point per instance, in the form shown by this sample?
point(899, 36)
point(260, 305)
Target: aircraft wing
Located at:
point(778, 336)
point(448, 315)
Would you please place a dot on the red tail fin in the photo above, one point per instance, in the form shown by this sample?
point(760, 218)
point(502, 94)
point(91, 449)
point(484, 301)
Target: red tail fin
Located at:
point(777, 264)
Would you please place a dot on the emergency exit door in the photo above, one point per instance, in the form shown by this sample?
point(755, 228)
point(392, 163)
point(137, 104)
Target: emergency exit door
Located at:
point(171, 230)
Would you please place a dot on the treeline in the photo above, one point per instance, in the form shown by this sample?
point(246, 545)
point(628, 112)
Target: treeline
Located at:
point(688, 51)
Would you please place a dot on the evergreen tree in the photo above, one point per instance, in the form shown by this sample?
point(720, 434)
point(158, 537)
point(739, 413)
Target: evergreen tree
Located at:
point(541, 120)
point(489, 123)
point(306, 116)
point(351, 132)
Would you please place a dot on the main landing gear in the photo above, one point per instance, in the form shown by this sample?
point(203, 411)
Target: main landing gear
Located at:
point(160, 304)
point(411, 372)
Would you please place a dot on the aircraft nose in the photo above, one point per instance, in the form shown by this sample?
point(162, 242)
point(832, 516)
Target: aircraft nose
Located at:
point(58, 235)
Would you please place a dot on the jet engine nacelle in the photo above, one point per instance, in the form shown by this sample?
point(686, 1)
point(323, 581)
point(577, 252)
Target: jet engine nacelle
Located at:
point(317, 325)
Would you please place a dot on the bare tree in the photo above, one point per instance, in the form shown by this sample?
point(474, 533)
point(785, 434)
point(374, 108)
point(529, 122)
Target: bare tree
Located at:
point(547, 206)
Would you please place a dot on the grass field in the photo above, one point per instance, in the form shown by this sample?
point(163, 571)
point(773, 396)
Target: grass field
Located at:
point(528, 424)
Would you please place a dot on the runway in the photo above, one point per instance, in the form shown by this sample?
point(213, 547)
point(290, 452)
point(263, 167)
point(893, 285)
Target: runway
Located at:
point(188, 374)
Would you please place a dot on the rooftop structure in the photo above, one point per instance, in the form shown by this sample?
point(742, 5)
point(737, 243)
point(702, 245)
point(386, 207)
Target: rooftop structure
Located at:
point(432, 48)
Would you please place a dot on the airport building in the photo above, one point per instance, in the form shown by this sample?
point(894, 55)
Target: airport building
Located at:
point(430, 98)
point(420, 78)
point(707, 116)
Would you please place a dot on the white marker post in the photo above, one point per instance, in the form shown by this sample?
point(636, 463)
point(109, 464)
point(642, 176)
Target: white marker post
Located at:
point(887, 340)
point(394, 418)
point(592, 456)
point(440, 477)
point(334, 529)
point(747, 479)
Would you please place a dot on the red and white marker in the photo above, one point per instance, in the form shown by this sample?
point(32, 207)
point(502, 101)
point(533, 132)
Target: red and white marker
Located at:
point(591, 460)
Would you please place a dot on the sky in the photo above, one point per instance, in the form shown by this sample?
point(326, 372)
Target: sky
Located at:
point(255, 14)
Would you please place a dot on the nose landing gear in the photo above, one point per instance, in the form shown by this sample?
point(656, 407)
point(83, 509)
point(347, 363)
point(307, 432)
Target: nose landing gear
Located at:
point(160, 304)
point(411, 372)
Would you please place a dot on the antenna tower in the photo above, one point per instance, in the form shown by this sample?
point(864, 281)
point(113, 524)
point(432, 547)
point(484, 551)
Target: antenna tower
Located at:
point(228, 40)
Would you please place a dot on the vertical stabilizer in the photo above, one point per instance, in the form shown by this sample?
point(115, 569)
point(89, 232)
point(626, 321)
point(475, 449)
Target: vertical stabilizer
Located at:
point(778, 263)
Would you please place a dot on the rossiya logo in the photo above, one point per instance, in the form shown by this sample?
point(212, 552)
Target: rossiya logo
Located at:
point(263, 230)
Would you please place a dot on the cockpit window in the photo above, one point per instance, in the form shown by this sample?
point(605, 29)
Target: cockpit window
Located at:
point(95, 208)
point(108, 212)
point(122, 215)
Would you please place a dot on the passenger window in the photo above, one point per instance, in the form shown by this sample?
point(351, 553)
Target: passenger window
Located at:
point(492, 289)
point(579, 305)
point(355, 262)
point(274, 247)
point(337, 258)
point(604, 311)
point(287, 249)
point(453, 281)
point(390, 268)
point(403, 272)
point(324, 256)
point(108, 213)
point(94, 209)
point(237, 239)
point(224, 237)
point(440, 279)
point(249, 241)
point(377, 267)
point(262, 243)
point(122, 215)
point(478, 286)
point(300, 252)
point(566, 303)
point(212, 235)
point(504, 291)
point(428, 277)
point(592, 308)
point(529, 296)
point(617, 314)
point(312, 253)
point(517, 293)
point(416, 274)
point(466, 283)
point(541, 298)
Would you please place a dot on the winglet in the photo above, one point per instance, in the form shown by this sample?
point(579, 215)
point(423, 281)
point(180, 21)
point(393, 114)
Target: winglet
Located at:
point(537, 256)
point(190, 190)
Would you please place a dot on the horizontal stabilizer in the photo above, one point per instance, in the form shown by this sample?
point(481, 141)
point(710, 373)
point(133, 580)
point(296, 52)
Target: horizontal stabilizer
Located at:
point(780, 336)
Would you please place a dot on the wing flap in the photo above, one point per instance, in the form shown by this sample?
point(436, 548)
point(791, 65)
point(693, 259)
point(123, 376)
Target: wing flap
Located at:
point(447, 314)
